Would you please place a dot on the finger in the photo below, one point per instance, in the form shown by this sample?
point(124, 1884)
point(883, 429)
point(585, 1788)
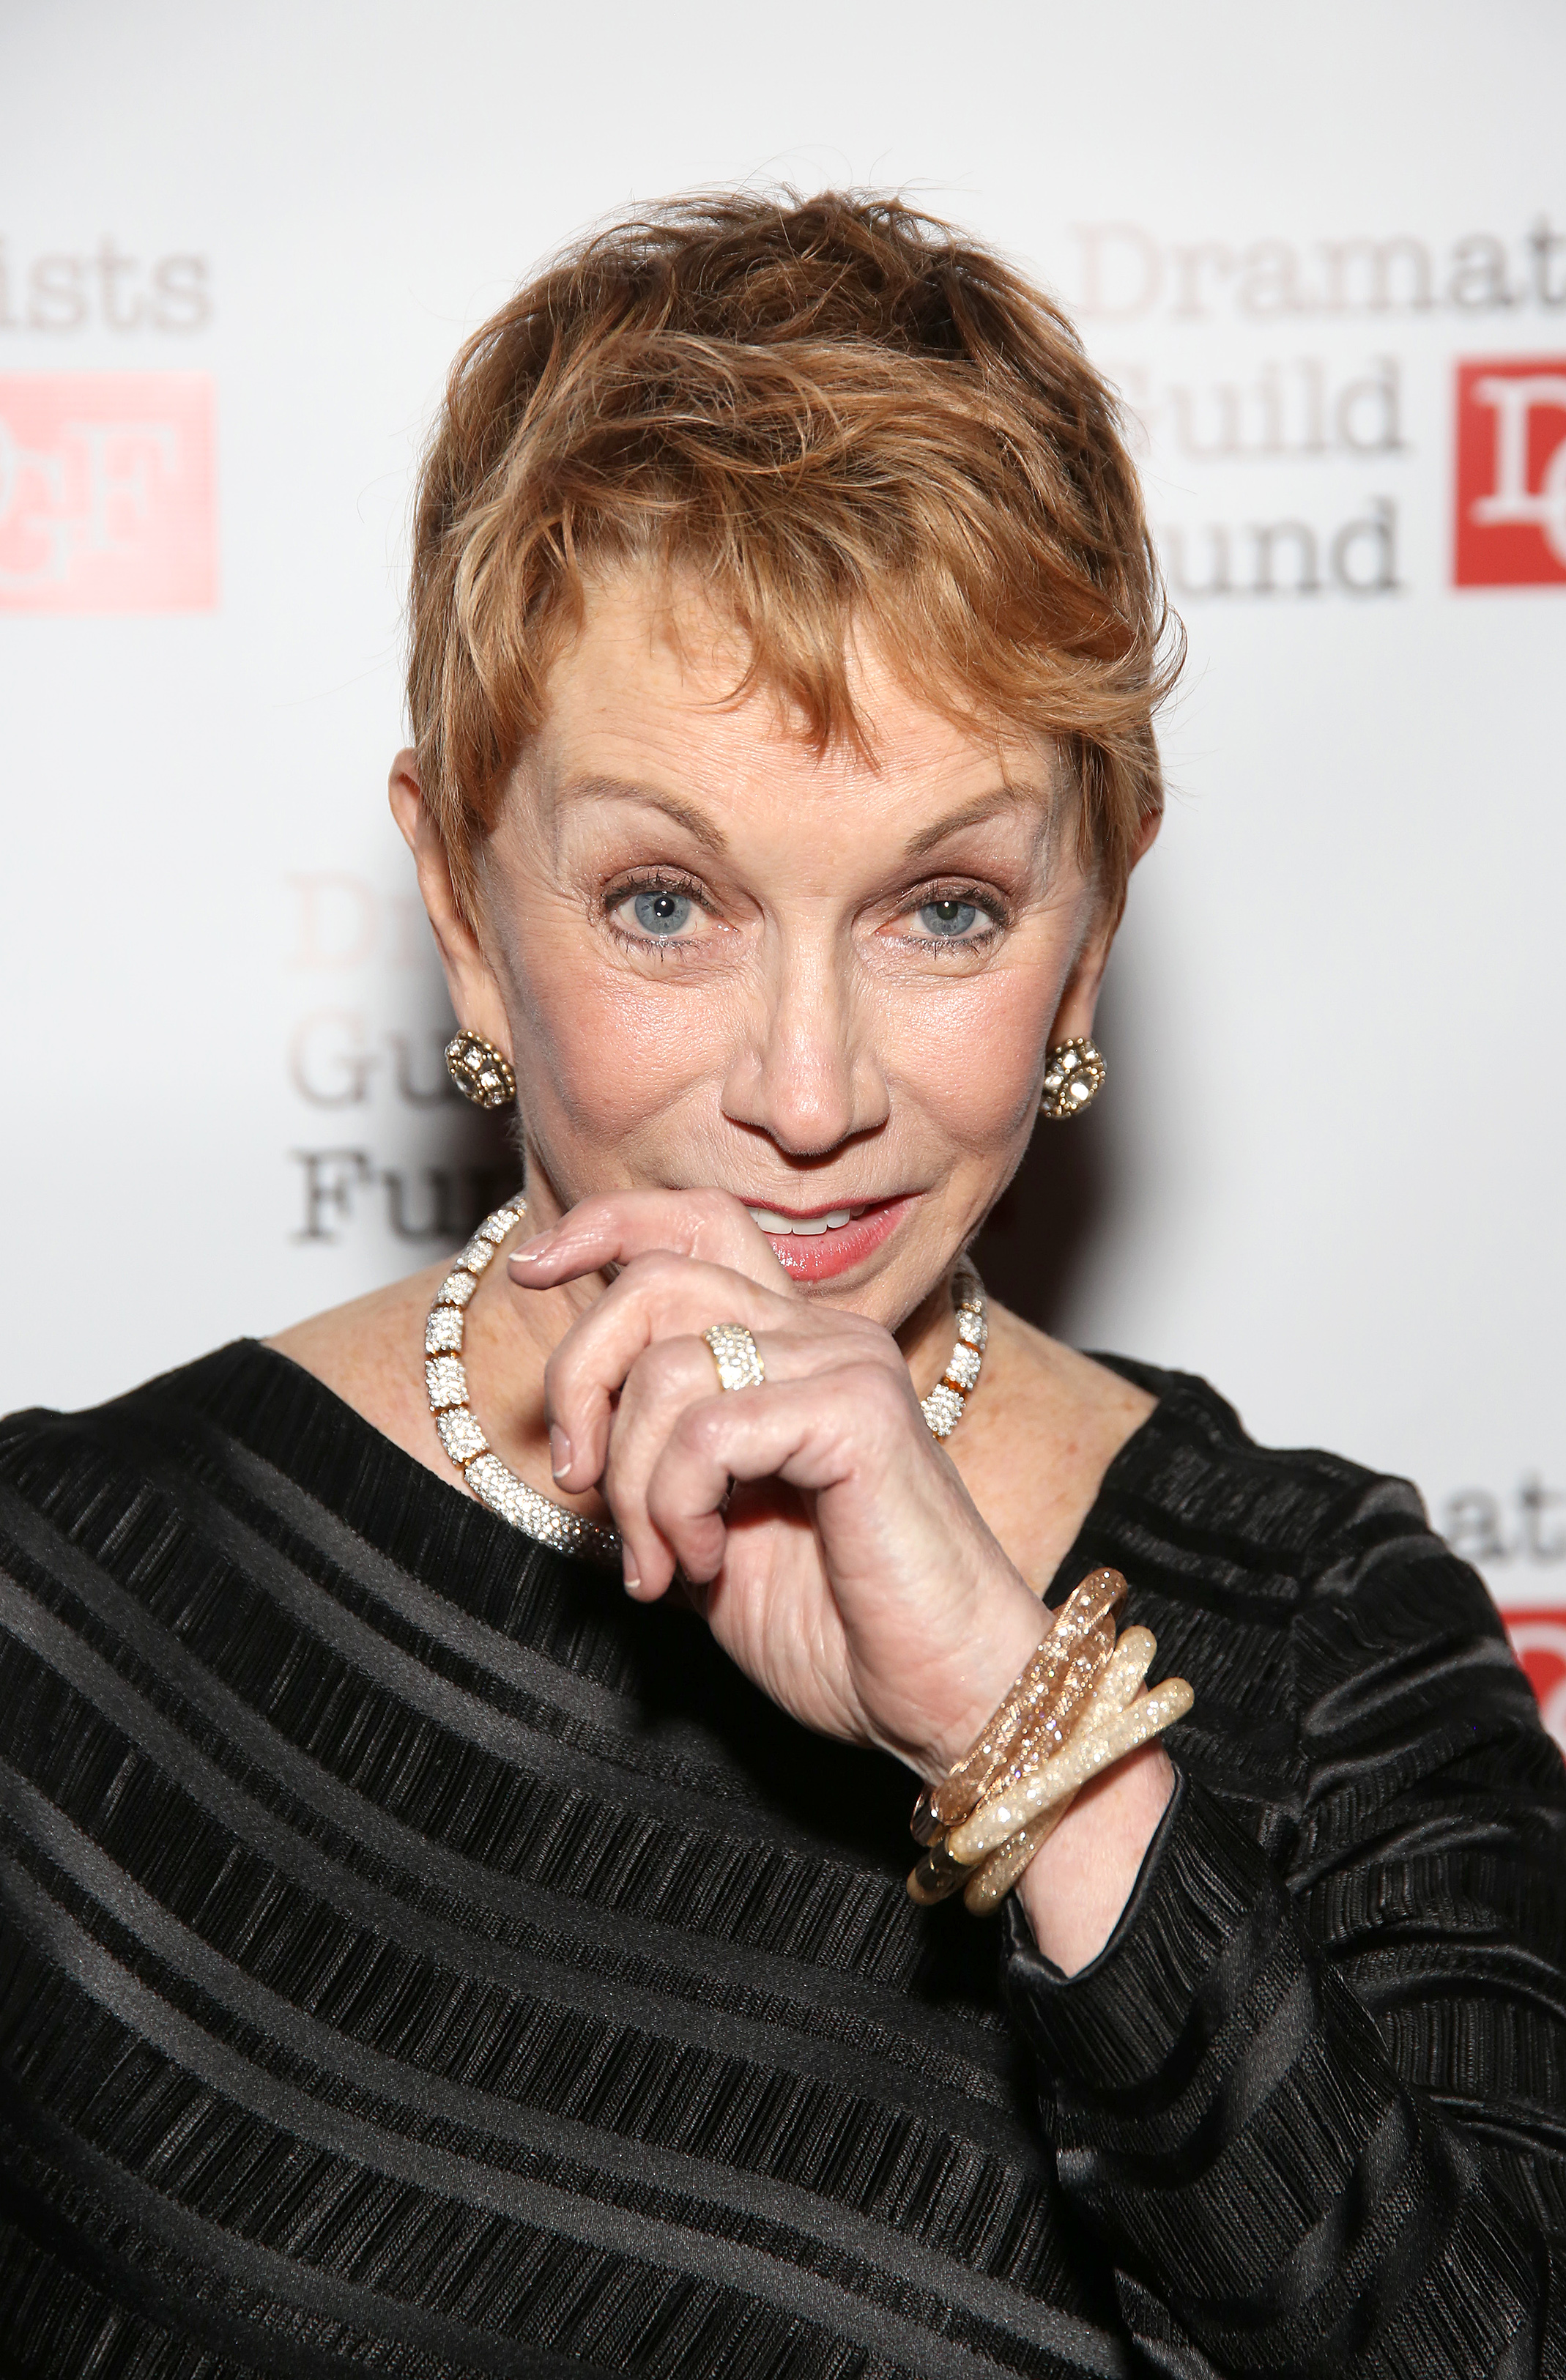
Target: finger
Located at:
point(665, 1378)
point(670, 1375)
point(777, 1431)
point(618, 1225)
point(657, 1296)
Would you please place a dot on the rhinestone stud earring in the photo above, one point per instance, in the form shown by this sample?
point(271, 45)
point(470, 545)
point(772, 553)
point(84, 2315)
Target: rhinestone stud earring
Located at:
point(479, 1071)
point(1072, 1079)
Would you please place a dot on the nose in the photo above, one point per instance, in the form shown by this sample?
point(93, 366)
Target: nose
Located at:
point(805, 1069)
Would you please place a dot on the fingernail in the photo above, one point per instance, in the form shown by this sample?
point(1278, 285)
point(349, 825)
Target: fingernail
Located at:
point(530, 1250)
point(633, 1575)
point(559, 1450)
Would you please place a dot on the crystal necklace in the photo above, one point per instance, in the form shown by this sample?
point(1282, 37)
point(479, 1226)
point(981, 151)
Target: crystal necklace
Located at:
point(462, 1435)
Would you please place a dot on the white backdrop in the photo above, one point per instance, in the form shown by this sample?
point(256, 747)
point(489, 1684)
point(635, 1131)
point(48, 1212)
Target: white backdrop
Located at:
point(240, 248)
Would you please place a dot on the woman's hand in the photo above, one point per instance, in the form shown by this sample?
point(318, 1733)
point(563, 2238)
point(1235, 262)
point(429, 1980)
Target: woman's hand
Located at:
point(849, 1573)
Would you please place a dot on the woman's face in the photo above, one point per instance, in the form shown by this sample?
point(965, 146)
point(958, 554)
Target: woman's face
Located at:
point(825, 986)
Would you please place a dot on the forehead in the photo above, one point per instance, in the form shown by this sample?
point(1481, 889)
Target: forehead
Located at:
point(656, 674)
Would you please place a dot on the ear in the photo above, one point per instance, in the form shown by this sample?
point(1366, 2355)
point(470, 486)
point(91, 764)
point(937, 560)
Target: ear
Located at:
point(1079, 999)
point(475, 996)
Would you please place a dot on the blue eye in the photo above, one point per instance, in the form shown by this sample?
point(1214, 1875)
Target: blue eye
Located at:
point(948, 919)
point(662, 913)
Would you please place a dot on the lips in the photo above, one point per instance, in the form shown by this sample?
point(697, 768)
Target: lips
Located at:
point(831, 1241)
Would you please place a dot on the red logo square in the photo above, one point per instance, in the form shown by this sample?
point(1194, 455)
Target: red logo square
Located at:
point(107, 502)
point(1538, 1639)
point(1511, 528)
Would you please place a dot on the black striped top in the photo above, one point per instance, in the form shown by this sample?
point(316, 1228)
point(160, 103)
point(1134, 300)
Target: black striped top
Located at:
point(417, 1960)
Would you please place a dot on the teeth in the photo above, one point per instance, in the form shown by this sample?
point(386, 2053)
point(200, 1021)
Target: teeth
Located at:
point(803, 1227)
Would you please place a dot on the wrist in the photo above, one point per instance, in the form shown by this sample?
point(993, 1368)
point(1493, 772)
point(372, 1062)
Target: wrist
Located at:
point(1074, 1889)
point(1005, 1628)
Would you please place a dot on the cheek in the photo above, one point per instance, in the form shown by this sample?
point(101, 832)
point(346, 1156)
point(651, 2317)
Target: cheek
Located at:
point(602, 1055)
point(973, 1056)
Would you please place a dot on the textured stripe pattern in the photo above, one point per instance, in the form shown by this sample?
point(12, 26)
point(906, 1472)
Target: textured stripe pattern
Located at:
point(416, 1959)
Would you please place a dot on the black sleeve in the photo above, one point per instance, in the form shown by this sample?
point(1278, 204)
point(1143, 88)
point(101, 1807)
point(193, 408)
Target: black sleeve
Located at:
point(1313, 2097)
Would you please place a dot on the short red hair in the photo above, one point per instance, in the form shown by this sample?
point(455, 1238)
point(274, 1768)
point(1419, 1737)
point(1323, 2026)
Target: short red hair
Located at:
point(833, 414)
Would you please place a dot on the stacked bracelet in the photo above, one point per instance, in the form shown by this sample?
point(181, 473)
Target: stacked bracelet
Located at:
point(1076, 1708)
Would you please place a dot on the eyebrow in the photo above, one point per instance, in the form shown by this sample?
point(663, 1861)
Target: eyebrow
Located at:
point(1004, 797)
point(1009, 796)
point(625, 789)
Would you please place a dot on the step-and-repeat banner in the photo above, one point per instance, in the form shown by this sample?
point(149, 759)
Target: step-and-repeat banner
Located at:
point(1324, 257)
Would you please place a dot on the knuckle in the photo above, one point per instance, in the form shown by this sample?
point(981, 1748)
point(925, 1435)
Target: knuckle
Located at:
point(873, 1383)
point(654, 1268)
point(719, 1207)
point(702, 1428)
point(661, 1368)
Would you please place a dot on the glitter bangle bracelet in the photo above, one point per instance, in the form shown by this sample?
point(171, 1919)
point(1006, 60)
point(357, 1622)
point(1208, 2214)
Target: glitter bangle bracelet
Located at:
point(1075, 1710)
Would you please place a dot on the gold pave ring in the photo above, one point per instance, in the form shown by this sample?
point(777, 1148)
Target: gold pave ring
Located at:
point(736, 1355)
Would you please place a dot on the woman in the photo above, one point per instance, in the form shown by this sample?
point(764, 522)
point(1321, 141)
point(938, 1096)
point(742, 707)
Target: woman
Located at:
point(456, 1755)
